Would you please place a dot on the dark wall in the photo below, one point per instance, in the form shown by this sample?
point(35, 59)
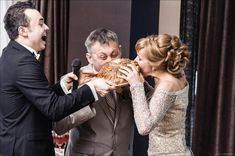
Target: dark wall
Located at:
point(144, 21)
point(88, 15)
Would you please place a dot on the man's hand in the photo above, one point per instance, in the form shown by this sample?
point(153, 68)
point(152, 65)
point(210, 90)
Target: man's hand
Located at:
point(86, 76)
point(68, 80)
point(102, 86)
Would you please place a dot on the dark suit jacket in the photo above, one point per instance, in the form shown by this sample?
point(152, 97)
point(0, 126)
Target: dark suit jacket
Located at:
point(28, 105)
point(100, 135)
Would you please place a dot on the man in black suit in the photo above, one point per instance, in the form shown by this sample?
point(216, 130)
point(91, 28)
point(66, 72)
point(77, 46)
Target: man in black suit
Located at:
point(27, 104)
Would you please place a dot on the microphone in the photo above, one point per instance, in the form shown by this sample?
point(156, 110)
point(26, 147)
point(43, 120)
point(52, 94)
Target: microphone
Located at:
point(76, 65)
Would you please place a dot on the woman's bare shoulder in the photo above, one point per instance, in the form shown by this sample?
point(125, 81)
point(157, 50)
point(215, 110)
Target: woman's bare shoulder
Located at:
point(172, 85)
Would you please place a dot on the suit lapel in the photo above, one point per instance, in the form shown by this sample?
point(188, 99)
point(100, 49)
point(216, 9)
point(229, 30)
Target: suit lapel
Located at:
point(102, 101)
point(103, 104)
point(118, 108)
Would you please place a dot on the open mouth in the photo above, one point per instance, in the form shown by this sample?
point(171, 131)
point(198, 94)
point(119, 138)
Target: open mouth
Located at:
point(44, 38)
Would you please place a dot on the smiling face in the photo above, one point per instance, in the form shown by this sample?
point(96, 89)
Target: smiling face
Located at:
point(34, 35)
point(101, 54)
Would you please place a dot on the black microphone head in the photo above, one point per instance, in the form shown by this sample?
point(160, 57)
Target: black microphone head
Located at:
point(76, 63)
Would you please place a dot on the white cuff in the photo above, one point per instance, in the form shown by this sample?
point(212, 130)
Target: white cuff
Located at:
point(92, 87)
point(64, 87)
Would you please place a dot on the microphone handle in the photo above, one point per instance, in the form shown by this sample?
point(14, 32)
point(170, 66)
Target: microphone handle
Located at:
point(75, 82)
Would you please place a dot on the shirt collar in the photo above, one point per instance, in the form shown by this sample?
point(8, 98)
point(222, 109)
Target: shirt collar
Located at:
point(36, 54)
point(93, 68)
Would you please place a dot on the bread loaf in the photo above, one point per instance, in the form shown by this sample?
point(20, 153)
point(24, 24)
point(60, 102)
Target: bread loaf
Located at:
point(110, 71)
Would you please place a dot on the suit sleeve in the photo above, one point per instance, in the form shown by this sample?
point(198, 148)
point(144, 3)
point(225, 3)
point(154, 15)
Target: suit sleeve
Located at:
point(73, 120)
point(58, 89)
point(32, 82)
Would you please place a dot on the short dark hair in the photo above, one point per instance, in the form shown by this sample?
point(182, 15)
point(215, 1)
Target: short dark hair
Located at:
point(15, 17)
point(101, 35)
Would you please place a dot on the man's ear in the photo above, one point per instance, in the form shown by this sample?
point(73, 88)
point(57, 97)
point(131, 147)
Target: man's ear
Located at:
point(23, 31)
point(89, 58)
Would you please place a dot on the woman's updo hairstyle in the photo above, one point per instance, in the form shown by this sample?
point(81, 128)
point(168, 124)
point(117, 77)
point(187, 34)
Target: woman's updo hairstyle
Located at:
point(166, 50)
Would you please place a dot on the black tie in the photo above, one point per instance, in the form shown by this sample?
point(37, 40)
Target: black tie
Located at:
point(35, 56)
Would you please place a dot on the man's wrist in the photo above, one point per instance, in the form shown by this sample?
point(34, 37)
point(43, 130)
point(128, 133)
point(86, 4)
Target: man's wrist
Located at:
point(92, 87)
point(63, 86)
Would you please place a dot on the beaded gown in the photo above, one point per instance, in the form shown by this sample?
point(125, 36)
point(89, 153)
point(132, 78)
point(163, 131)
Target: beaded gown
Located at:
point(163, 118)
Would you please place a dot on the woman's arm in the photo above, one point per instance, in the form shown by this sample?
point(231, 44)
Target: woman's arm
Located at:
point(148, 114)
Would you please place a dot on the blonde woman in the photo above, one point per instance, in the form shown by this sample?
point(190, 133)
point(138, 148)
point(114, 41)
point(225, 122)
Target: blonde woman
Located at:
point(162, 114)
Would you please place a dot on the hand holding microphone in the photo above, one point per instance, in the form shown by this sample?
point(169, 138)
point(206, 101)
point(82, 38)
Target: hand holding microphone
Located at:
point(77, 77)
point(76, 65)
point(83, 76)
point(71, 79)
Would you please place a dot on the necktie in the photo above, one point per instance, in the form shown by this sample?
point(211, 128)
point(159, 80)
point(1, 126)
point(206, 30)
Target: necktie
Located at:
point(37, 57)
point(111, 104)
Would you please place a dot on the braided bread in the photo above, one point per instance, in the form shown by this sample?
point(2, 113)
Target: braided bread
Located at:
point(110, 70)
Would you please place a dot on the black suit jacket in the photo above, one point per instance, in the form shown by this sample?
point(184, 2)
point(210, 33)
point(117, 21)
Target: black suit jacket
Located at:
point(28, 105)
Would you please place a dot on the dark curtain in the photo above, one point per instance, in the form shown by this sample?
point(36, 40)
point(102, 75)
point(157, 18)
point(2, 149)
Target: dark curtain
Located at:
point(214, 128)
point(54, 57)
point(144, 21)
point(189, 20)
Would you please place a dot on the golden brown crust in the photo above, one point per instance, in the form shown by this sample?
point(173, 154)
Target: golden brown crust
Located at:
point(110, 70)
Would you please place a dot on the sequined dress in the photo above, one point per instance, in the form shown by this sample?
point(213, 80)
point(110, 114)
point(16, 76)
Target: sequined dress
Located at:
point(163, 118)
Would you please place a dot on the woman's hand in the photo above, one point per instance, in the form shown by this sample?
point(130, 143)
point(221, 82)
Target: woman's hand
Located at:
point(131, 75)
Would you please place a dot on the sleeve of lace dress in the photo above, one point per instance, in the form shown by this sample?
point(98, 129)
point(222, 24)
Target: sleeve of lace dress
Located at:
point(147, 113)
